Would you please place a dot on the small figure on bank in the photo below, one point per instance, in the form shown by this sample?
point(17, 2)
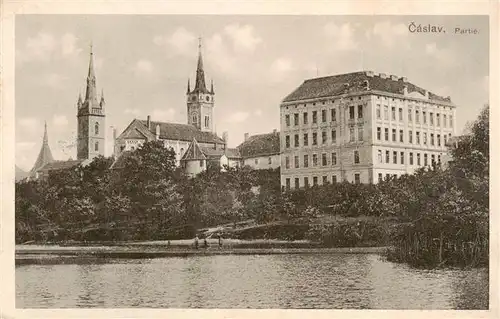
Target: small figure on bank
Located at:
point(205, 243)
point(220, 241)
point(168, 243)
point(196, 242)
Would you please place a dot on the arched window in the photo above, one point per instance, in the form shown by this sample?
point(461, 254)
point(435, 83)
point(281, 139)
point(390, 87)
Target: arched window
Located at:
point(207, 121)
point(96, 146)
point(195, 119)
point(96, 128)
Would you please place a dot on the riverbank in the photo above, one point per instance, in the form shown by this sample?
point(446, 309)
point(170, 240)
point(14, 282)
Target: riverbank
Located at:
point(60, 254)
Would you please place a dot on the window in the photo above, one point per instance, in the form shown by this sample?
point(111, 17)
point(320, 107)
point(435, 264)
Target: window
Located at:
point(401, 136)
point(378, 112)
point(451, 121)
point(439, 159)
point(394, 135)
point(424, 117)
point(445, 139)
point(297, 183)
point(296, 140)
point(334, 158)
point(379, 133)
point(439, 140)
point(306, 182)
point(360, 133)
point(287, 162)
point(96, 147)
point(325, 180)
point(351, 134)
point(417, 117)
point(306, 139)
point(334, 115)
point(386, 133)
point(431, 118)
point(207, 121)
point(296, 161)
point(417, 137)
point(315, 180)
point(410, 137)
point(201, 163)
point(296, 119)
point(287, 183)
point(425, 160)
point(324, 138)
point(438, 119)
point(411, 158)
point(323, 159)
point(360, 111)
point(387, 156)
point(387, 176)
point(394, 157)
point(96, 128)
point(425, 138)
point(315, 138)
point(444, 120)
point(432, 139)
point(351, 112)
point(433, 159)
point(287, 141)
point(418, 159)
point(380, 156)
point(306, 161)
point(323, 116)
point(195, 119)
point(386, 112)
point(356, 178)
point(305, 117)
point(402, 158)
point(315, 117)
point(356, 157)
point(287, 120)
point(400, 114)
point(334, 137)
point(315, 159)
point(409, 115)
point(393, 113)
point(269, 160)
point(334, 179)
point(380, 178)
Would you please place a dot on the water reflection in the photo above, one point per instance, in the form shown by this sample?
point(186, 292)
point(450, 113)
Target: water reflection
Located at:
point(272, 281)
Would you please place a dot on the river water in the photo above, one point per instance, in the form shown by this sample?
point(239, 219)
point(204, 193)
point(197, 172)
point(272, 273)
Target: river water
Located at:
point(338, 281)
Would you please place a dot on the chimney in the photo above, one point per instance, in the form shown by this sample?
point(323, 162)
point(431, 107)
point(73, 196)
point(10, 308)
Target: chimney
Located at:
point(246, 136)
point(405, 90)
point(149, 122)
point(369, 73)
point(394, 77)
point(426, 94)
point(157, 131)
point(275, 131)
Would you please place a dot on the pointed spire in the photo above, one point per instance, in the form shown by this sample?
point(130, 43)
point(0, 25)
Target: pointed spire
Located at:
point(189, 87)
point(212, 87)
point(91, 94)
point(200, 85)
point(45, 135)
point(80, 102)
point(45, 155)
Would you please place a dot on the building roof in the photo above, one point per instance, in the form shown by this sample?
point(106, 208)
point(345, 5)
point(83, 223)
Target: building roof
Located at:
point(197, 152)
point(182, 132)
point(260, 145)
point(45, 155)
point(354, 82)
point(61, 165)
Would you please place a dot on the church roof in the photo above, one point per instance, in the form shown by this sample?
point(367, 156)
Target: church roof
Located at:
point(45, 155)
point(197, 152)
point(260, 145)
point(182, 132)
point(353, 82)
point(61, 165)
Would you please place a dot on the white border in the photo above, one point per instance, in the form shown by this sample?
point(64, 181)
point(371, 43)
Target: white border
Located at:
point(10, 8)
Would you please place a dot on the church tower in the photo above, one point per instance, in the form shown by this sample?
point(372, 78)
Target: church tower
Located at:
point(91, 119)
point(200, 101)
point(45, 155)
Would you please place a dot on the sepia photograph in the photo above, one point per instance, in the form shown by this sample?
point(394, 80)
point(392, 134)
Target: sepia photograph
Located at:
point(257, 161)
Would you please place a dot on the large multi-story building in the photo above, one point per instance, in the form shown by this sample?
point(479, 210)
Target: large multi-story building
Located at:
point(361, 127)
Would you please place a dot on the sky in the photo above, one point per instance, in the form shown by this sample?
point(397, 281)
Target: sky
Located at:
point(143, 62)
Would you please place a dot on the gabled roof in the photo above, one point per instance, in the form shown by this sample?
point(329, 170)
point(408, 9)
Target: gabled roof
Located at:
point(60, 165)
point(340, 84)
point(260, 145)
point(194, 152)
point(182, 132)
point(232, 153)
point(197, 152)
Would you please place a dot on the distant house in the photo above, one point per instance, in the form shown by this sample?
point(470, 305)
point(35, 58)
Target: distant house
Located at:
point(198, 158)
point(261, 151)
